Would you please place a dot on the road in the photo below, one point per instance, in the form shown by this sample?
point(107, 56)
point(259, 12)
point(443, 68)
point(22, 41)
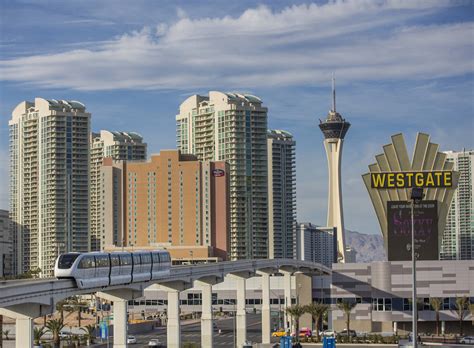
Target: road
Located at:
point(192, 332)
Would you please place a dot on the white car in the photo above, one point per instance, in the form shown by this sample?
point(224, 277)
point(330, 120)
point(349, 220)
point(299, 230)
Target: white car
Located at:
point(467, 339)
point(328, 333)
point(154, 342)
point(131, 340)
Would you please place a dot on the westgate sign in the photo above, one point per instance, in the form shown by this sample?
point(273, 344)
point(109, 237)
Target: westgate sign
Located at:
point(400, 180)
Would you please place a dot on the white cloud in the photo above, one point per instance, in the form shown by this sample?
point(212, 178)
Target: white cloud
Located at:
point(297, 46)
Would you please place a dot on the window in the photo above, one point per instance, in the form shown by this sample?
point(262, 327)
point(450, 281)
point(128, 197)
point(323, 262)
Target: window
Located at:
point(66, 260)
point(102, 261)
point(406, 304)
point(125, 260)
point(115, 260)
point(87, 262)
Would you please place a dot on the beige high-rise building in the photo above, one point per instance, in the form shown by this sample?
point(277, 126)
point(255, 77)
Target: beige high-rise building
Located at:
point(232, 127)
point(281, 195)
point(49, 181)
point(458, 237)
point(173, 201)
point(118, 146)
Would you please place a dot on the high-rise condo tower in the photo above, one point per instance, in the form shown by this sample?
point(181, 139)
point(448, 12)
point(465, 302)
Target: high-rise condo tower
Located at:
point(334, 128)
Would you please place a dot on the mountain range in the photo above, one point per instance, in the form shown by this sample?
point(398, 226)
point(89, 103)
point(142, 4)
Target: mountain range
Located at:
point(368, 247)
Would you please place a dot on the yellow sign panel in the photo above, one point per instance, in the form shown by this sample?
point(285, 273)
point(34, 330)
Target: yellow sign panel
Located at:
point(394, 180)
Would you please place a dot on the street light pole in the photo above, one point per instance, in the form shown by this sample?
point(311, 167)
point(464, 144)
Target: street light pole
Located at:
point(413, 265)
point(416, 196)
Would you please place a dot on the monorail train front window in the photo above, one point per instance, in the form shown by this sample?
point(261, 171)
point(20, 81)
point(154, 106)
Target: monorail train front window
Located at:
point(66, 260)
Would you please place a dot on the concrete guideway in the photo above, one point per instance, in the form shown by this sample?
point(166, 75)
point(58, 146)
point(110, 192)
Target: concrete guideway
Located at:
point(26, 300)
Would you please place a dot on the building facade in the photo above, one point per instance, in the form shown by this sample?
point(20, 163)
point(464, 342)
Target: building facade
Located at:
point(117, 146)
point(173, 201)
point(383, 291)
point(49, 181)
point(458, 238)
point(6, 244)
point(233, 128)
point(334, 128)
point(281, 195)
point(316, 244)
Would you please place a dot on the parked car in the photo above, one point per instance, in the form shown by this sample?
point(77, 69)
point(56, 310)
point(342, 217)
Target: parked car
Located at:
point(305, 332)
point(131, 340)
point(467, 339)
point(328, 333)
point(279, 333)
point(154, 342)
point(352, 333)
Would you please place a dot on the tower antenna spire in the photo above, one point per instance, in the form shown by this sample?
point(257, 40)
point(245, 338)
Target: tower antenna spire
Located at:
point(333, 93)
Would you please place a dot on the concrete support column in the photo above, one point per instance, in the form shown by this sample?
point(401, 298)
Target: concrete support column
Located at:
point(173, 327)
point(24, 332)
point(287, 295)
point(120, 323)
point(206, 317)
point(24, 315)
point(241, 314)
point(266, 316)
point(120, 298)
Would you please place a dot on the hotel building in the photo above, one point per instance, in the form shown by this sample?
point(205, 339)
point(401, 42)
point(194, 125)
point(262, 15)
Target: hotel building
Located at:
point(117, 146)
point(281, 195)
point(458, 238)
point(233, 128)
point(49, 181)
point(173, 201)
point(316, 244)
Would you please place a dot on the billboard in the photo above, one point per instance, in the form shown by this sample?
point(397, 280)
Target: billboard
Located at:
point(399, 230)
point(399, 180)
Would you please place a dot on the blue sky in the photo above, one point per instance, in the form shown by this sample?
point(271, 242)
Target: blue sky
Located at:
point(401, 66)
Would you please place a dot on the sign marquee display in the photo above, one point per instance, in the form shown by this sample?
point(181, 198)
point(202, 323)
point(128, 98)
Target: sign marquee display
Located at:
point(399, 230)
point(399, 180)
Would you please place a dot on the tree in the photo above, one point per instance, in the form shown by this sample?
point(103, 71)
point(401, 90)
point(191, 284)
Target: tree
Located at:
point(436, 304)
point(6, 333)
point(347, 308)
point(461, 305)
point(90, 333)
point(37, 334)
point(76, 304)
point(296, 311)
point(55, 326)
point(316, 310)
point(60, 307)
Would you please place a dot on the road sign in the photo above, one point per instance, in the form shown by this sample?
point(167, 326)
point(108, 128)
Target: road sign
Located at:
point(104, 330)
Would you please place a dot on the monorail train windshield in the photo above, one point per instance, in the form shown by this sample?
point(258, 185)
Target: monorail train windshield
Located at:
point(66, 260)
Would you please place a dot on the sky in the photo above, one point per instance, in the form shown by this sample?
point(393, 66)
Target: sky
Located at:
point(400, 66)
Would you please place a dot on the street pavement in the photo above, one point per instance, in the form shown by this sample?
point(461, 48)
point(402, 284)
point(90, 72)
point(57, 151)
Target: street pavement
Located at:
point(192, 332)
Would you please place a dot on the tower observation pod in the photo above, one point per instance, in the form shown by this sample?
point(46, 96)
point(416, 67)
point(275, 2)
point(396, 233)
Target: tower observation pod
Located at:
point(334, 128)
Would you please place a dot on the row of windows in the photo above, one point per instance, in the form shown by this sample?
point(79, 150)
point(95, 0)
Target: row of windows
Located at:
point(196, 301)
point(121, 260)
point(396, 303)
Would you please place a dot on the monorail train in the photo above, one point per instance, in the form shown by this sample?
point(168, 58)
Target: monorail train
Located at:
point(98, 269)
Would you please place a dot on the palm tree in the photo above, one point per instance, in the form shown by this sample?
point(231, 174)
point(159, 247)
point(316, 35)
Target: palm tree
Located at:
point(347, 308)
point(60, 307)
point(90, 333)
point(436, 303)
point(296, 311)
point(55, 326)
point(461, 310)
point(317, 310)
point(76, 304)
point(6, 333)
point(37, 334)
